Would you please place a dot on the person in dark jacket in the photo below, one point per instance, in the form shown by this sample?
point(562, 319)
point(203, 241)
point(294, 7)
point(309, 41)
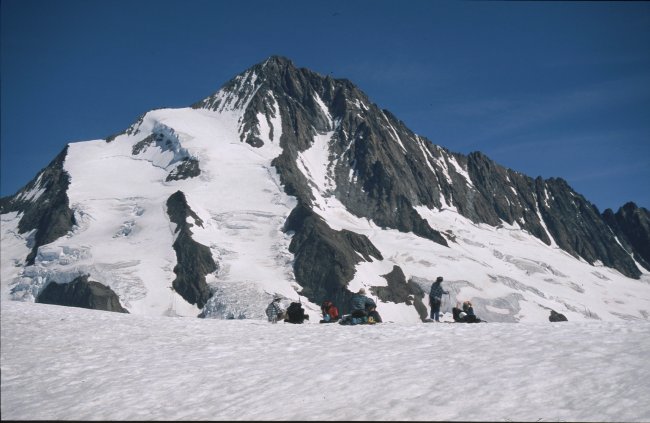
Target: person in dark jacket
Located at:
point(373, 315)
point(361, 304)
point(467, 308)
point(362, 308)
point(296, 314)
point(435, 298)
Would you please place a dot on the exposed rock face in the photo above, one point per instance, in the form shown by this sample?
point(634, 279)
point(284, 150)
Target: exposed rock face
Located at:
point(501, 195)
point(381, 170)
point(579, 229)
point(394, 169)
point(399, 291)
point(631, 225)
point(44, 205)
point(194, 260)
point(384, 188)
point(83, 293)
point(325, 259)
point(573, 222)
point(187, 168)
point(557, 317)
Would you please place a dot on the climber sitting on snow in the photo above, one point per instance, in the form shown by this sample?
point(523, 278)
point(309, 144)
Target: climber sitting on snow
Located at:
point(361, 306)
point(466, 314)
point(274, 311)
point(330, 312)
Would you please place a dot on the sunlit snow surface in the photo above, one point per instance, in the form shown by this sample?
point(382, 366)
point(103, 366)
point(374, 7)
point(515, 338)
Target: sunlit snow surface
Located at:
point(64, 363)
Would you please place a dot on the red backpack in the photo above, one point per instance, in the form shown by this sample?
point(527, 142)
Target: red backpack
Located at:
point(329, 308)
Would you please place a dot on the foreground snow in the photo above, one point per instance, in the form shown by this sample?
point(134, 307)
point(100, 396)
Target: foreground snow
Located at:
point(68, 363)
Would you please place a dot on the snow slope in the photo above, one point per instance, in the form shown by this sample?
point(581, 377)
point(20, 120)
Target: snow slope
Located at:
point(124, 237)
point(64, 363)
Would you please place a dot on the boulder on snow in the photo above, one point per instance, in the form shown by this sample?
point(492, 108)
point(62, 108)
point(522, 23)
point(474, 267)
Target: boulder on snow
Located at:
point(81, 293)
point(557, 317)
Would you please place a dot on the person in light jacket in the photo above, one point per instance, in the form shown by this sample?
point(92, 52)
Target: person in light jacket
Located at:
point(274, 311)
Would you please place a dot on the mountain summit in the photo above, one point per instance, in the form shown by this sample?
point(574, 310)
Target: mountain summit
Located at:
point(287, 182)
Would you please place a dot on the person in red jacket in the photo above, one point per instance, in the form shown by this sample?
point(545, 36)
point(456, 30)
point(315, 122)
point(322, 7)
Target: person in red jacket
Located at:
point(330, 312)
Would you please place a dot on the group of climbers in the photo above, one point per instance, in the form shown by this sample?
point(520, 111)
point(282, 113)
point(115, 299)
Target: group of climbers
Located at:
point(460, 315)
point(364, 309)
point(466, 314)
point(275, 312)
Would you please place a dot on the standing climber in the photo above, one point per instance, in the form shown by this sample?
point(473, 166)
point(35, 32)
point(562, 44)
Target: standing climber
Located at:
point(435, 298)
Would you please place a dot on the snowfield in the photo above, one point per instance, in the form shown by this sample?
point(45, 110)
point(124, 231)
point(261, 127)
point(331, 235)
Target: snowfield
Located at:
point(64, 363)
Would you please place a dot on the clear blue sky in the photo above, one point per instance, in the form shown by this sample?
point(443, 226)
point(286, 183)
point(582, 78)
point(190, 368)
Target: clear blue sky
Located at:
point(551, 89)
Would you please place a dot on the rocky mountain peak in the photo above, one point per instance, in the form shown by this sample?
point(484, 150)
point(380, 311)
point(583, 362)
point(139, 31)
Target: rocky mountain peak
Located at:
point(275, 66)
point(631, 225)
point(395, 170)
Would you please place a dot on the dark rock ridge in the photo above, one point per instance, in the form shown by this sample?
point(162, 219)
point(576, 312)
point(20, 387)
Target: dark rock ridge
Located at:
point(186, 168)
point(386, 187)
point(83, 293)
point(557, 317)
point(631, 225)
point(325, 259)
point(394, 169)
point(385, 190)
point(47, 210)
point(194, 260)
point(399, 291)
point(573, 222)
point(578, 228)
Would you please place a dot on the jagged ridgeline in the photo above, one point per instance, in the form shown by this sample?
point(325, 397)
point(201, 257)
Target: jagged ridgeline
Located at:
point(395, 169)
point(182, 235)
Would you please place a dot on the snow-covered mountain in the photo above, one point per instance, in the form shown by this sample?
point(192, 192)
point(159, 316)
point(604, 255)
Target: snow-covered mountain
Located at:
point(289, 182)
